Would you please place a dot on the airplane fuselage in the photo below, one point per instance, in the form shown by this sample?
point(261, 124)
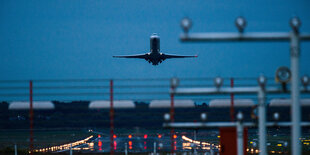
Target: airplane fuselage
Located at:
point(154, 56)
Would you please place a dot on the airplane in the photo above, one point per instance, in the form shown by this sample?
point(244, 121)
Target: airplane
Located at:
point(155, 56)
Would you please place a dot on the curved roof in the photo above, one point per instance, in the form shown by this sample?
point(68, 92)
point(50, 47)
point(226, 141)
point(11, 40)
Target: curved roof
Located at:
point(22, 105)
point(102, 104)
point(167, 103)
point(221, 103)
point(287, 102)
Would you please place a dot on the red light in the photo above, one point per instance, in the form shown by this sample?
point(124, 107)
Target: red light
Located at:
point(114, 136)
point(115, 144)
point(145, 136)
point(130, 147)
point(130, 143)
point(159, 136)
point(99, 136)
point(144, 147)
point(175, 136)
point(129, 136)
point(99, 143)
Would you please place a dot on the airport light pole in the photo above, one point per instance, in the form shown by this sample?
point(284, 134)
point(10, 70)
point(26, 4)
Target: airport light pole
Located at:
point(294, 37)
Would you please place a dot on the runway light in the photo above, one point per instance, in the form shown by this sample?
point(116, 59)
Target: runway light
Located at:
point(175, 136)
point(159, 136)
point(99, 136)
point(129, 136)
point(145, 136)
point(114, 136)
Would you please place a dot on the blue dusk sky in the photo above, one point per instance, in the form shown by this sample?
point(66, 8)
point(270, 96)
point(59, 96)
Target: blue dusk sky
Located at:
point(65, 39)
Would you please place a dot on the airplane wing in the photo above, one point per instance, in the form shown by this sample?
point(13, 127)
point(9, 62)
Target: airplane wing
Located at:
point(169, 56)
point(141, 56)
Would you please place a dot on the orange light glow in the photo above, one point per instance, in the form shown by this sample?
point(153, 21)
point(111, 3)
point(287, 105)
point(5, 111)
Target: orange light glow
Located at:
point(114, 136)
point(129, 136)
point(159, 136)
point(175, 136)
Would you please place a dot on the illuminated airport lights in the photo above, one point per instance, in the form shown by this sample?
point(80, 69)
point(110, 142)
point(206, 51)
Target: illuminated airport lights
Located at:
point(114, 136)
point(145, 136)
point(129, 136)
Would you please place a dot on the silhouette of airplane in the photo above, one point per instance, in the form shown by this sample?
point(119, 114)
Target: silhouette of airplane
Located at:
point(155, 56)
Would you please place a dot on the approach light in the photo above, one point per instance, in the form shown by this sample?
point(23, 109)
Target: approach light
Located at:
point(295, 23)
point(186, 24)
point(276, 116)
point(240, 22)
point(262, 80)
point(203, 116)
point(174, 82)
point(166, 117)
point(283, 74)
point(218, 82)
point(240, 116)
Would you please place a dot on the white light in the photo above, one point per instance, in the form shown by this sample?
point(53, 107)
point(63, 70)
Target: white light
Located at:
point(203, 116)
point(262, 81)
point(174, 82)
point(240, 116)
point(167, 117)
point(295, 23)
point(276, 116)
point(218, 82)
point(240, 23)
point(186, 24)
point(305, 80)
